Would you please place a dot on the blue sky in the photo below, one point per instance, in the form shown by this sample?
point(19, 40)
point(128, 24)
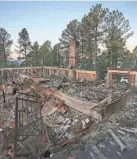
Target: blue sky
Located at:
point(46, 20)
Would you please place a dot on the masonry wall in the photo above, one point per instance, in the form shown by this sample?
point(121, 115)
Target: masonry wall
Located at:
point(132, 75)
point(54, 71)
point(134, 78)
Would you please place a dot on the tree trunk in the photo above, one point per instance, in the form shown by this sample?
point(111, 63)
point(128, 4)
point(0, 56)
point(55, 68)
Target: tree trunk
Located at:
point(111, 54)
point(115, 63)
point(36, 58)
point(82, 55)
point(90, 62)
point(58, 63)
point(95, 68)
point(25, 56)
point(5, 58)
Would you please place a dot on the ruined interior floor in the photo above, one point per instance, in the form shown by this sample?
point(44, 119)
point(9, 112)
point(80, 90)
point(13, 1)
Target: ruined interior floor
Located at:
point(99, 143)
point(96, 142)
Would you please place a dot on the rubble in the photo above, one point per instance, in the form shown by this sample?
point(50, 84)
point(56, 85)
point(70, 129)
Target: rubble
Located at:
point(67, 110)
point(117, 140)
point(88, 91)
point(99, 134)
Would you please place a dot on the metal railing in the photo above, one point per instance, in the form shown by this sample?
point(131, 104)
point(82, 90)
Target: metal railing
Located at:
point(28, 127)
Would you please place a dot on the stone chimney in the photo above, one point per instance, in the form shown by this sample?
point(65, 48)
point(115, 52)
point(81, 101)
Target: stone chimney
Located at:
point(72, 54)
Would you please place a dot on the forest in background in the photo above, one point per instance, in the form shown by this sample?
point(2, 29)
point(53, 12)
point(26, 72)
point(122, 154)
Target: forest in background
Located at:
point(101, 35)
